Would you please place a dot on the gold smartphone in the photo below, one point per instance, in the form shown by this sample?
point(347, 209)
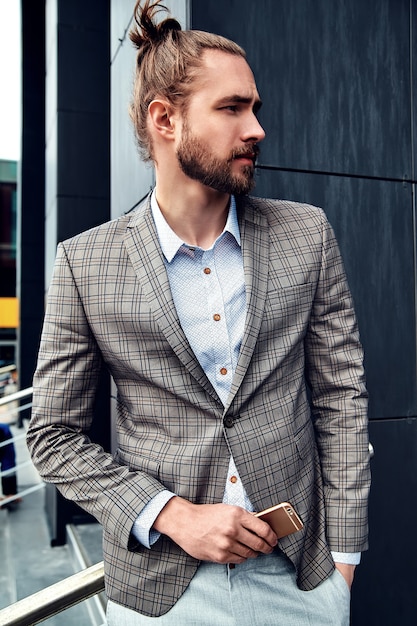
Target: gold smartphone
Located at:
point(282, 518)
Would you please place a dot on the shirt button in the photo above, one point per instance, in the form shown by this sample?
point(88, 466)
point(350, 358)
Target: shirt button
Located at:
point(216, 317)
point(207, 270)
point(223, 371)
point(233, 479)
point(232, 566)
point(228, 421)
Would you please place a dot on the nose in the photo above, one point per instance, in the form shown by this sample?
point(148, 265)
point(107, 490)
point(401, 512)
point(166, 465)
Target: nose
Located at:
point(253, 131)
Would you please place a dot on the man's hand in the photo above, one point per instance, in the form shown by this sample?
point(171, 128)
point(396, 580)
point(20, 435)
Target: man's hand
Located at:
point(219, 533)
point(347, 571)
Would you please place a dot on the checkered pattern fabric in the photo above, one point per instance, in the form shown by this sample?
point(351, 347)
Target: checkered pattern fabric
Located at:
point(110, 303)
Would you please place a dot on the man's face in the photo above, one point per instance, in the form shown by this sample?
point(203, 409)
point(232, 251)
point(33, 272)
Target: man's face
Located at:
point(220, 131)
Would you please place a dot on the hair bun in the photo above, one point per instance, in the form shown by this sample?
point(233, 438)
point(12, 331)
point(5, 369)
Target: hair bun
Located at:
point(147, 31)
point(168, 25)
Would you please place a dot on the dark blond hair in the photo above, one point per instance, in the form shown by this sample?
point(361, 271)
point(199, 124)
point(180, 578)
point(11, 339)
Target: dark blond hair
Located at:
point(166, 65)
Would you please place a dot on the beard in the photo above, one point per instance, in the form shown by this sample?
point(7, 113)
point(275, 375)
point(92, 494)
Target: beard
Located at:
point(198, 163)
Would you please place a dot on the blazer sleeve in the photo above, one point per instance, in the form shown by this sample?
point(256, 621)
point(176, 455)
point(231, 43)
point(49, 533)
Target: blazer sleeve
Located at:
point(334, 369)
point(64, 388)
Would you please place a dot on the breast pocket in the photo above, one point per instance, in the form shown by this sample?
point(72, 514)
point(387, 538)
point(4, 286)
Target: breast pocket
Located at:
point(288, 310)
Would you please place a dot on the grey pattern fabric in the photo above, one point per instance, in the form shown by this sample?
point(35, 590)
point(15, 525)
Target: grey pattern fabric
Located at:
point(109, 303)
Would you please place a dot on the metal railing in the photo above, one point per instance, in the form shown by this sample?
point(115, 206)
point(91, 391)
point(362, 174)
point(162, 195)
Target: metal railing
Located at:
point(9, 399)
point(14, 397)
point(55, 599)
point(64, 594)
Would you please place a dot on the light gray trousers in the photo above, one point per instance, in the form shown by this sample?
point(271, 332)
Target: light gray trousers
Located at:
point(259, 592)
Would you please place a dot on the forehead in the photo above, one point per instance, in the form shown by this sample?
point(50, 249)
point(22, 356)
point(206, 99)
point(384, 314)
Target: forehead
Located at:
point(223, 73)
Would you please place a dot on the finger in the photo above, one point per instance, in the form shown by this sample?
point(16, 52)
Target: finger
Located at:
point(241, 554)
point(262, 530)
point(255, 544)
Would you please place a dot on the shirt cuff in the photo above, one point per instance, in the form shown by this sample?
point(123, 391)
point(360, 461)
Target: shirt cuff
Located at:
point(142, 528)
point(349, 558)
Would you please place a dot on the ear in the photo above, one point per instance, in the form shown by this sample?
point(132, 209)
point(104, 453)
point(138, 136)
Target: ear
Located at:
point(162, 119)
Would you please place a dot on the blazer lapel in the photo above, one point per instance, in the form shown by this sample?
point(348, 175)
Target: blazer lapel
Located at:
point(142, 246)
point(255, 250)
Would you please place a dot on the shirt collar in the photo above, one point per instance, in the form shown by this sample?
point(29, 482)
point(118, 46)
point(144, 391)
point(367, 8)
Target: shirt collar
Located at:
point(171, 243)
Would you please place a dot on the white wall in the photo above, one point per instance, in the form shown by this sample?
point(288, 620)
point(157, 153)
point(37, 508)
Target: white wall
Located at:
point(51, 137)
point(131, 179)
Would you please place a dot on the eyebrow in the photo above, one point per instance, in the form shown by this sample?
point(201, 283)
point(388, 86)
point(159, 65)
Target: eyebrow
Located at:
point(237, 99)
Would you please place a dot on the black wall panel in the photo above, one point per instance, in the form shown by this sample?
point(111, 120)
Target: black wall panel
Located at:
point(384, 592)
point(31, 188)
point(413, 33)
point(83, 116)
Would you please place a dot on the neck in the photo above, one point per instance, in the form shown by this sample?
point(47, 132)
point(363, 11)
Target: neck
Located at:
point(197, 214)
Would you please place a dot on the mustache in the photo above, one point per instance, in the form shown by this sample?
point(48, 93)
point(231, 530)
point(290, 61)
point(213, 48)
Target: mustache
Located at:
point(251, 152)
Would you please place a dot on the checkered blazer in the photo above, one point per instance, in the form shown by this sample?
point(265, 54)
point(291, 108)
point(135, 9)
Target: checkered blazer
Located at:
point(110, 304)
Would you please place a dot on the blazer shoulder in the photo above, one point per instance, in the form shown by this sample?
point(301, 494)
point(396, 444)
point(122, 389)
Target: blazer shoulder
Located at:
point(286, 216)
point(276, 209)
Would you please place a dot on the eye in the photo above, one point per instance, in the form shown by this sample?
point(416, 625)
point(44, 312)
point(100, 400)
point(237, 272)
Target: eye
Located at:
point(230, 107)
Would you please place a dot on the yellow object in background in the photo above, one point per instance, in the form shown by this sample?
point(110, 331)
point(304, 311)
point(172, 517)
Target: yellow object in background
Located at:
point(9, 313)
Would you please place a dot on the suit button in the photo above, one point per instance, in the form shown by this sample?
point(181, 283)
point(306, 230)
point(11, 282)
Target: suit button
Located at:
point(228, 422)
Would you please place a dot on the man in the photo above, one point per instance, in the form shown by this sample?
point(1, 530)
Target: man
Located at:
point(214, 312)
